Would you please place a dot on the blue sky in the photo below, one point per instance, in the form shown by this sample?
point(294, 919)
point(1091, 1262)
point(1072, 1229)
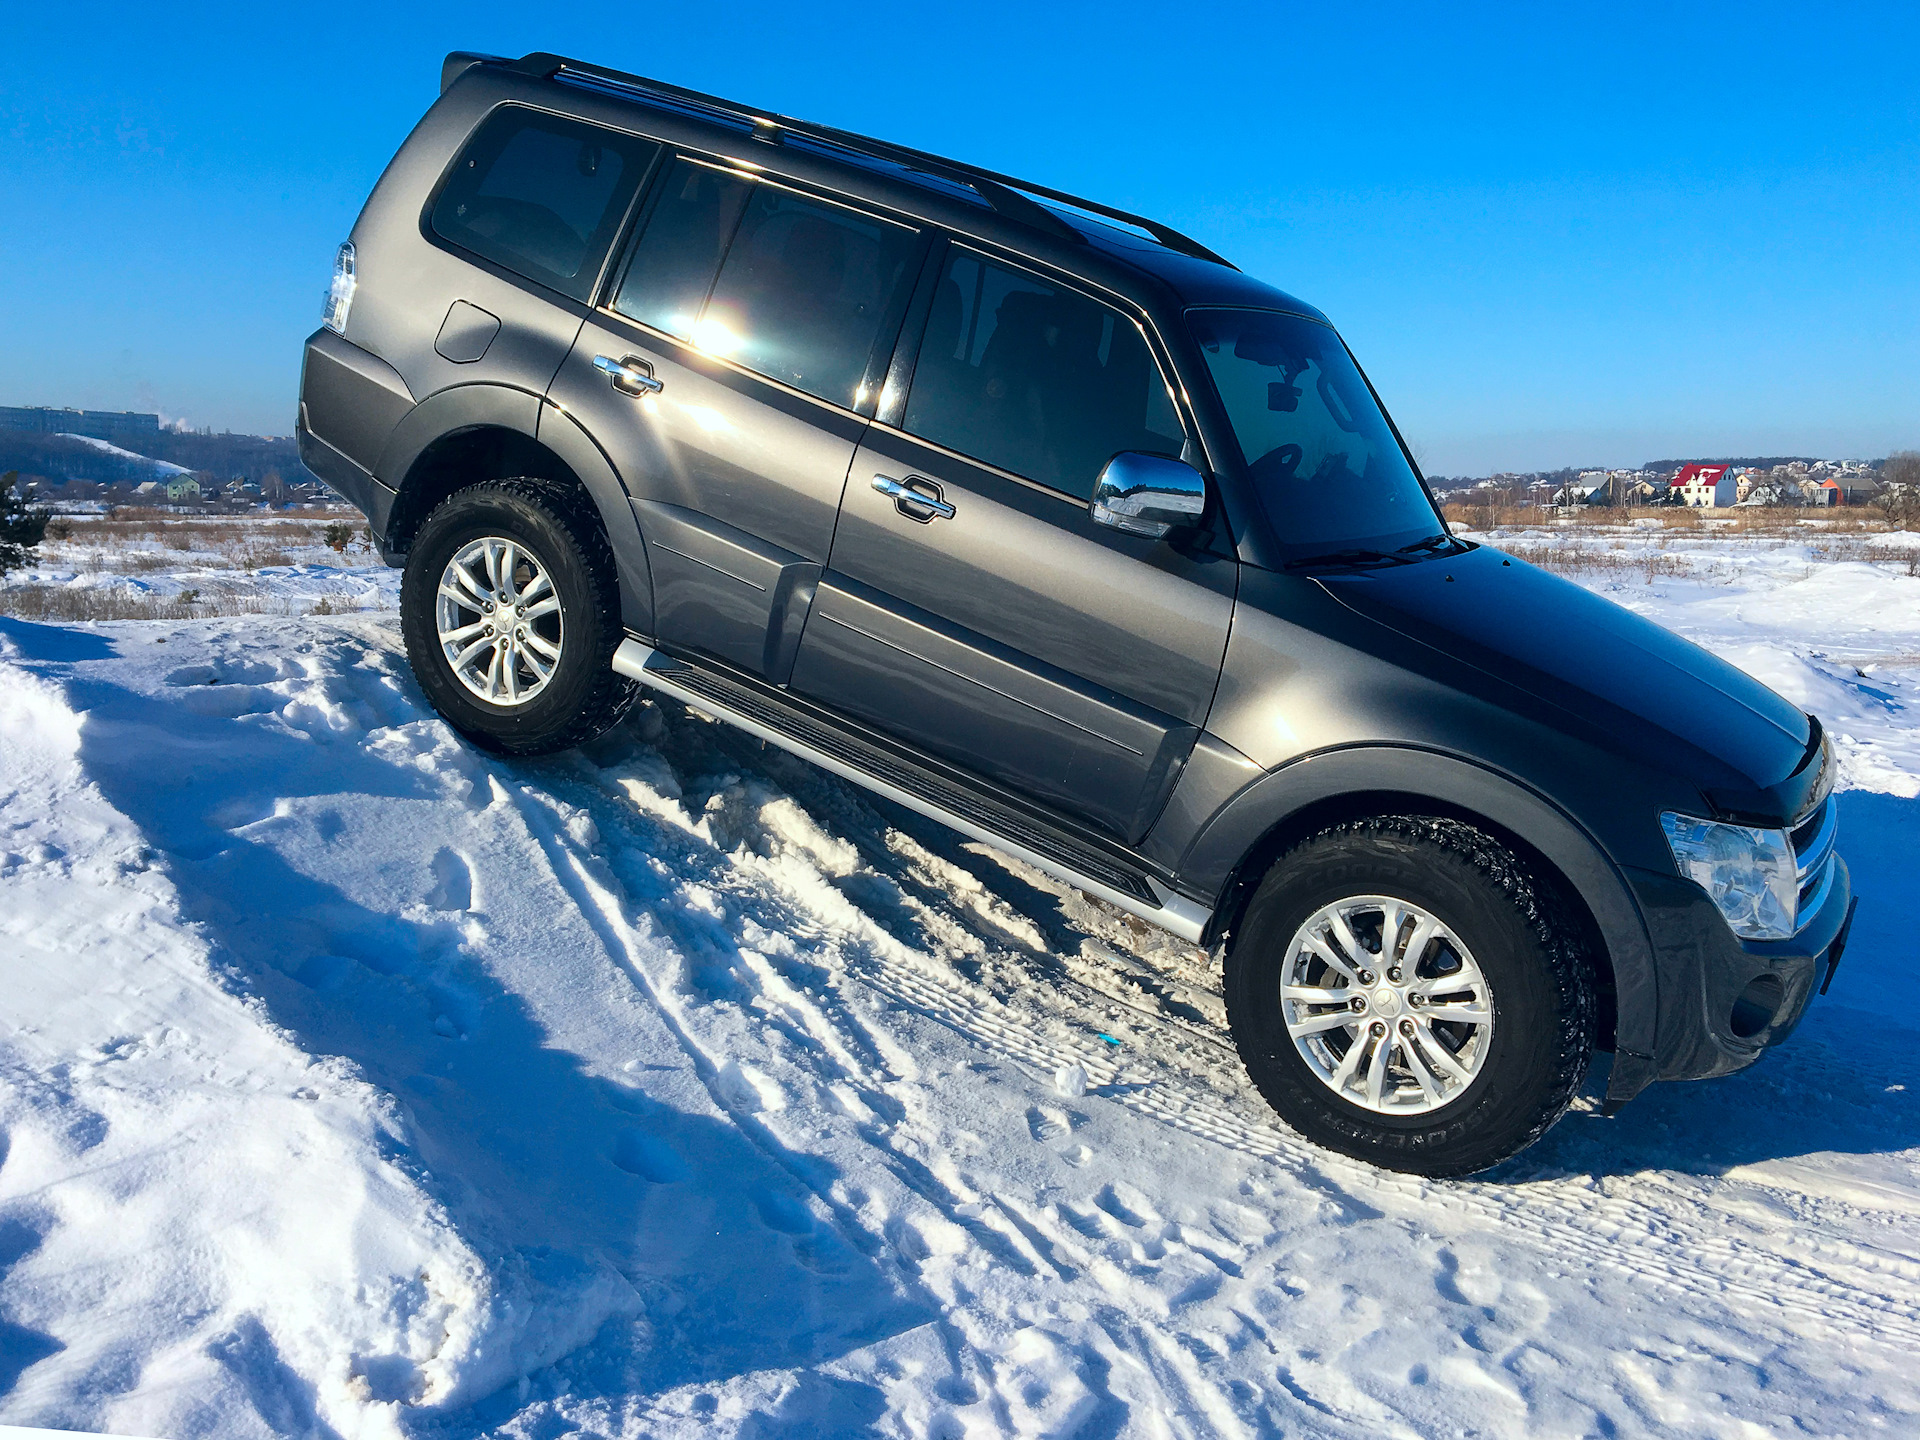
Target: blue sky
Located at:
point(1553, 234)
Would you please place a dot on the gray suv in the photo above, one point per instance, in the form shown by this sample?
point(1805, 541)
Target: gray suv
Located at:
point(1043, 520)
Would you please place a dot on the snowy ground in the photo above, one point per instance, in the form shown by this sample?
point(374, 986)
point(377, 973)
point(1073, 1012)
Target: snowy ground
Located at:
point(353, 1083)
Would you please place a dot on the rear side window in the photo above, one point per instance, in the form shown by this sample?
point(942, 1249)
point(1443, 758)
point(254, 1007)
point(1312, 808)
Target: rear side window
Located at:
point(542, 196)
point(1035, 378)
point(797, 289)
point(672, 270)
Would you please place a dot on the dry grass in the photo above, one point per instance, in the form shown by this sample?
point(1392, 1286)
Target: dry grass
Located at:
point(113, 602)
point(1651, 564)
point(128, 526)
point(1758, 520)
point(62, 602)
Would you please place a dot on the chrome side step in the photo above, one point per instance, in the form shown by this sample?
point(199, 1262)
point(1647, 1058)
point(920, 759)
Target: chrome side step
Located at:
point(1172, 912)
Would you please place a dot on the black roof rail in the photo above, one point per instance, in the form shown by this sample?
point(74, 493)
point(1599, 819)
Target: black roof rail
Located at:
point(1007, 195)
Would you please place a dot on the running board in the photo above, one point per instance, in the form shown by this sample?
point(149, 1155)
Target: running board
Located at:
point(1158, 905)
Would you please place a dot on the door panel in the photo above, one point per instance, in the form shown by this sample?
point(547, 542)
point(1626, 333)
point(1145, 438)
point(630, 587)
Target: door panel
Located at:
point(735, 483)
point(1017, 638)
point(746, 597)
point(736, 479)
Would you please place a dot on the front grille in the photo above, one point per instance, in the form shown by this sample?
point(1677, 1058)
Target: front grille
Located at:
point(1813, 841)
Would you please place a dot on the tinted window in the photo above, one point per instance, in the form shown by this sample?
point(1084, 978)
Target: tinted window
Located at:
point(541, 195)
point(673, 267)
point(1320, 452)
point(803, 291)
point(1035, 378)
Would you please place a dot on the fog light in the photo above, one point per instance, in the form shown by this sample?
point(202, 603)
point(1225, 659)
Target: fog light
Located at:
point(1756, 1007)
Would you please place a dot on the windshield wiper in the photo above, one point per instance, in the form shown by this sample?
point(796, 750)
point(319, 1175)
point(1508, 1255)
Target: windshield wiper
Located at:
point(1433, 542)
point(1349, 557)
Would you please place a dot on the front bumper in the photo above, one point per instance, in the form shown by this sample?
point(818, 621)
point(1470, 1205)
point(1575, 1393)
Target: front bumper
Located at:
point(1724, 1000)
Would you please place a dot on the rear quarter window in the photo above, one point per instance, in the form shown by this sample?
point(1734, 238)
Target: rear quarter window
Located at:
point(542, 195)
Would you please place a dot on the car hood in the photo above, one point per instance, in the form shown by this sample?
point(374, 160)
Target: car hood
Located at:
point(1589, 656)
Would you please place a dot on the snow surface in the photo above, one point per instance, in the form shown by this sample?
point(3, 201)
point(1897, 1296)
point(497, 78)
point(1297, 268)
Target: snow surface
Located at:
point(355, 1083)
point(160, 467)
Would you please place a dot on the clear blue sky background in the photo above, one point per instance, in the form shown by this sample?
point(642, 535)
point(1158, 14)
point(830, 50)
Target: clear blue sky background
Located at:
point(1553, 234)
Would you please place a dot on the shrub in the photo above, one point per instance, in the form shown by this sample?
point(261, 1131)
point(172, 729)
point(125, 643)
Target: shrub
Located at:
point(21, 528)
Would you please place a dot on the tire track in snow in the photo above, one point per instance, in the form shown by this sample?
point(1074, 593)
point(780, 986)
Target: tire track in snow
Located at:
point(1678, 1244)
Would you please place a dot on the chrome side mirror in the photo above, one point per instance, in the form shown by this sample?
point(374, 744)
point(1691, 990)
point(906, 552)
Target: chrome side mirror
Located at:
point(1147, 494)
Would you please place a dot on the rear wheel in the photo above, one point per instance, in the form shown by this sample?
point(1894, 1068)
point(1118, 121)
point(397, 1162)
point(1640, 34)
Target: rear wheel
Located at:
point(510, 609)
point(1403, 991)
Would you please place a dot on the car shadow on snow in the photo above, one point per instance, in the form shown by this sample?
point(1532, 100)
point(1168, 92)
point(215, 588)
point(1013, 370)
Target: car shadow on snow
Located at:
point(54, 644)
point(533, 1157)
point(1842, 1083)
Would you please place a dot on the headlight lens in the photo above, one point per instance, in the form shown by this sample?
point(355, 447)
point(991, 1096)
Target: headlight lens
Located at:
point(340, 293)
point(1749, 874)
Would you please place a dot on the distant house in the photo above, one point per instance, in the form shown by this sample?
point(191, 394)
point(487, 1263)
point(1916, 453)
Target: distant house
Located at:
point(183, 487)
point(1707, 486)
point(1823, 492)
point(150, 489)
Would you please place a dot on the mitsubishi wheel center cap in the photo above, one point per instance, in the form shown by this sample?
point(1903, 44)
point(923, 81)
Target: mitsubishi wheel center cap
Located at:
point(1386, 1002)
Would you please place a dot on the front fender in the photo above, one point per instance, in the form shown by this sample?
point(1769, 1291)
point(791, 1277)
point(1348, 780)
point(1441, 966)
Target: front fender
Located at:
point(1409, 776)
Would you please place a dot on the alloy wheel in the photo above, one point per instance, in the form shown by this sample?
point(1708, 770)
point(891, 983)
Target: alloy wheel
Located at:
point(499, 621)
point(1386, 1005)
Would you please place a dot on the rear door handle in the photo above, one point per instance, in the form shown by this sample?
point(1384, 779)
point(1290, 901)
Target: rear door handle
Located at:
point(914, 501)
point(630, 376)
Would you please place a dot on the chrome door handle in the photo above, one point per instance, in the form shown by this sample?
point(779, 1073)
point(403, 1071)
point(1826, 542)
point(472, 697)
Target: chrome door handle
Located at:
point(631, 376)
point(914, 504)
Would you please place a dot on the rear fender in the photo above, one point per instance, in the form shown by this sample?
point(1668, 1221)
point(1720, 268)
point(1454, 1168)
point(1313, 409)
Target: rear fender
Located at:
point(481, 432)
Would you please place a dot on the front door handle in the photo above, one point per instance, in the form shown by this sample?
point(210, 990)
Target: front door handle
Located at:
point(630, 376)
point(913, 501)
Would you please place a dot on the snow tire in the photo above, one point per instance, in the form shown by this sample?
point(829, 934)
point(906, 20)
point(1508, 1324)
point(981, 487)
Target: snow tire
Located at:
point(585, 697)
point(1538, 977)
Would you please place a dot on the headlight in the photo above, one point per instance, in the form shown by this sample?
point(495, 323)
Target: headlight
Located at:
point(1749, 874)
point(340, 293)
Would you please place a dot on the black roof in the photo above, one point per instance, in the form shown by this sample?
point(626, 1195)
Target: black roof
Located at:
point(1193, 272)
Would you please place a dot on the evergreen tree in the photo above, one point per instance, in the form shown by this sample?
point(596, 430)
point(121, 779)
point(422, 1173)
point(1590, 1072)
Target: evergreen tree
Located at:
point(20, 528)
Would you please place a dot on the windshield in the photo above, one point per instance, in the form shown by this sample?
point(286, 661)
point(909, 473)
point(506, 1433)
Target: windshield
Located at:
point(1321, 455)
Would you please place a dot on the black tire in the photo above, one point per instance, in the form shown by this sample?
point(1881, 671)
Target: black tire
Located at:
point(585, 697)
point(1539, 983)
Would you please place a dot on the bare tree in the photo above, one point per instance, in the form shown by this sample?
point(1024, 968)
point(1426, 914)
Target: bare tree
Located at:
point(1899, 497)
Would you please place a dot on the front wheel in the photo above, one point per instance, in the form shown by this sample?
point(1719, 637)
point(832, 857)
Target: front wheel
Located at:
point(510, 610)
point(1403, 991)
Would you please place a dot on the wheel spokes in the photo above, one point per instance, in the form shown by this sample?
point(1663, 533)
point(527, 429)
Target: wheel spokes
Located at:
point(1377, 1071)
point(1329, 957)
point(494, 652)
point(1316, 1024)
point(1413, 1042)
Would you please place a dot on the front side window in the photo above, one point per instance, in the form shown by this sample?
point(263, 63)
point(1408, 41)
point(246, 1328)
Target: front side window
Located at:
point(1317, 447)
point(794, 288)
point(542, 196)
point(1035, 378)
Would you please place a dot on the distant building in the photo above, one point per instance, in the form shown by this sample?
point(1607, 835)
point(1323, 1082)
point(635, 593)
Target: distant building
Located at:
point(183, 487)
point(1707, 486)
point(112, 425)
